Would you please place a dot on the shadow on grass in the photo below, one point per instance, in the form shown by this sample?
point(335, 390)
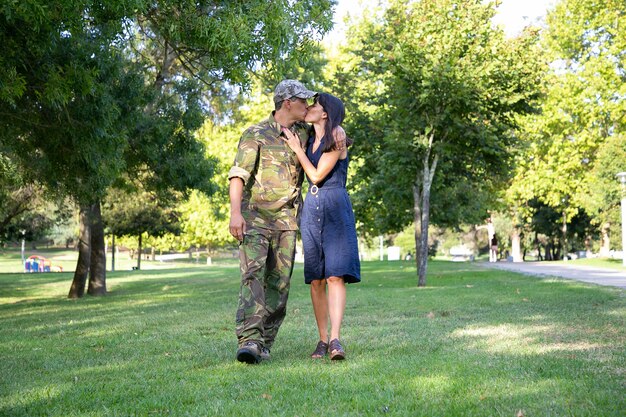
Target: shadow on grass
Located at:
point(473, 343)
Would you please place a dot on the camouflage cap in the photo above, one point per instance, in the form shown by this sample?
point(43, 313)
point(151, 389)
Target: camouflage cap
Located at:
point(291, 88)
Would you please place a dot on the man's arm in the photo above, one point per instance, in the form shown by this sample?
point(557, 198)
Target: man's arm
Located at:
point(237, 224)
point(340, 138)
point(325, 165)
point(239, 175)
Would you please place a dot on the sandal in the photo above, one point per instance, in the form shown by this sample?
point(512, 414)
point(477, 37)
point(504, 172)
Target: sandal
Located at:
point(336, 350)
point(320, 350)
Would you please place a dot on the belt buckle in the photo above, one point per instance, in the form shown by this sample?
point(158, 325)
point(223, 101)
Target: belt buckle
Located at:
point(314, 189)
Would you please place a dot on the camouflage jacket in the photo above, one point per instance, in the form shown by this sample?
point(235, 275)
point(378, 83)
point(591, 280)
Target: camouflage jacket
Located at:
point(272, 176)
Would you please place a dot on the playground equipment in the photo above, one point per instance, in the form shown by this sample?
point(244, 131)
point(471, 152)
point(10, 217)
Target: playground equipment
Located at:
point(36, 263)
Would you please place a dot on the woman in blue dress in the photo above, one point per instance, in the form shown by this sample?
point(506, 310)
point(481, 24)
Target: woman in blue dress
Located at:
point(331, 257)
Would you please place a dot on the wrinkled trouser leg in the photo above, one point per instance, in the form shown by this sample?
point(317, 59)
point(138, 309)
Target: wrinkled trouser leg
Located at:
point(266, 259)
point(278, 278)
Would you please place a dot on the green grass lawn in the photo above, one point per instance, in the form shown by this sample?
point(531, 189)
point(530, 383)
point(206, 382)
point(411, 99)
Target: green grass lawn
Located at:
point(474, 342)
point(596, 262)
point(11, 260)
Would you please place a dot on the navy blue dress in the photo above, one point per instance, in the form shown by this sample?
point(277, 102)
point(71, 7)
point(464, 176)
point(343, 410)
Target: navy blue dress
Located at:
point(328, 231)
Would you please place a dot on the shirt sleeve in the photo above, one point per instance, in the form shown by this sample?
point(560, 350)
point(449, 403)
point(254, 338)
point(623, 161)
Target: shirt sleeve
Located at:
point(246, 158)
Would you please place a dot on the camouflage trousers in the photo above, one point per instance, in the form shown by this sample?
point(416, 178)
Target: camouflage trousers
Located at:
point(266, 260)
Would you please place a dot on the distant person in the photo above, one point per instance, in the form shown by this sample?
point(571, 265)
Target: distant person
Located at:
point(331, 256)
point(408, 256)
point(493, 249)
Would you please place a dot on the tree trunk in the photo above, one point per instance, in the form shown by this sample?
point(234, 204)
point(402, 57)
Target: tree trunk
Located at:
point(417, 221)
point(112, 253)
point(516, 252)
point(98, 270)
point(565, 245)
point(548, 252)
point(474, 236)
point(556, 250)
point(538, 247)
point(77, 289)
point(139, 253)
point(605, 246)
point(421, 207)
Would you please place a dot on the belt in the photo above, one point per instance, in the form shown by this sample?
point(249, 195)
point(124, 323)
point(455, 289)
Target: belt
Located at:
point(314, 189)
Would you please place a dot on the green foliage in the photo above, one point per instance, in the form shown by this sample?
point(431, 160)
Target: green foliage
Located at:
point(578, 137)
point(406, 241)
point(438, 80)
point(204, 219)
point(132, 212)
point(79, 98)
point(163, 143)
point(605, 191)
point(549, 222)
point(224, 42)
point(34, 224)
point(26, 212)
point(96, 90)
point(205, 222)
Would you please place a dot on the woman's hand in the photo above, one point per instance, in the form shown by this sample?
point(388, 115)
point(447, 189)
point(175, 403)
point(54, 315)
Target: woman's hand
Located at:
point(292, 140)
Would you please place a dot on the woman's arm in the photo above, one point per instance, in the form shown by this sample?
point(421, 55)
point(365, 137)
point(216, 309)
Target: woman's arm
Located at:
point(326, 164)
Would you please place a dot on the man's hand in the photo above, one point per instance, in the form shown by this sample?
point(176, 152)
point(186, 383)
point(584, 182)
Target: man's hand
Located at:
point(237, 226)
point(292, 140)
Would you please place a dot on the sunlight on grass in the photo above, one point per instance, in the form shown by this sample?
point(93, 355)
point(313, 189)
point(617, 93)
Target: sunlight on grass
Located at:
point(35, 395)
point(521, 340)
point(472, 343)
point(423, 384)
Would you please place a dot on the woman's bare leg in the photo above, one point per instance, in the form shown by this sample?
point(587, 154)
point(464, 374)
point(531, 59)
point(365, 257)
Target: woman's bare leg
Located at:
point(336, 304)
point(320, 307)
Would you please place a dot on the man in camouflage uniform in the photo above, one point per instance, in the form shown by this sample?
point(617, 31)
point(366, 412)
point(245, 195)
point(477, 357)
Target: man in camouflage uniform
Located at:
point(265, 199)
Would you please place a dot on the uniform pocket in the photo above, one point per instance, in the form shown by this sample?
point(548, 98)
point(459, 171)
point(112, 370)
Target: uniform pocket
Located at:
point(275, 167)
point(275, 177)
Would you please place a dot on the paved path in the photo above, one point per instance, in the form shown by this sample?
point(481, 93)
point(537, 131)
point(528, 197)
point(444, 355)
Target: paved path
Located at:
point(591, 274)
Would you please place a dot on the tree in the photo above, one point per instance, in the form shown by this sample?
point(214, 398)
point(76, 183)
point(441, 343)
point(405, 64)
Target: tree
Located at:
point(94, 91)
point(66, 105)
point(16, 198)
point(573, 143)
point(603, 199)
point(445, 88)
point(133, 212)
point(27, 212)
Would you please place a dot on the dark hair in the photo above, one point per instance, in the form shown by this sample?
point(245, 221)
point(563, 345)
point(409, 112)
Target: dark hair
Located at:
point(336, 112)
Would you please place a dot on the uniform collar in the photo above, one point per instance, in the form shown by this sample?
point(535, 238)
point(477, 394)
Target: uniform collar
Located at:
point(276, 127)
